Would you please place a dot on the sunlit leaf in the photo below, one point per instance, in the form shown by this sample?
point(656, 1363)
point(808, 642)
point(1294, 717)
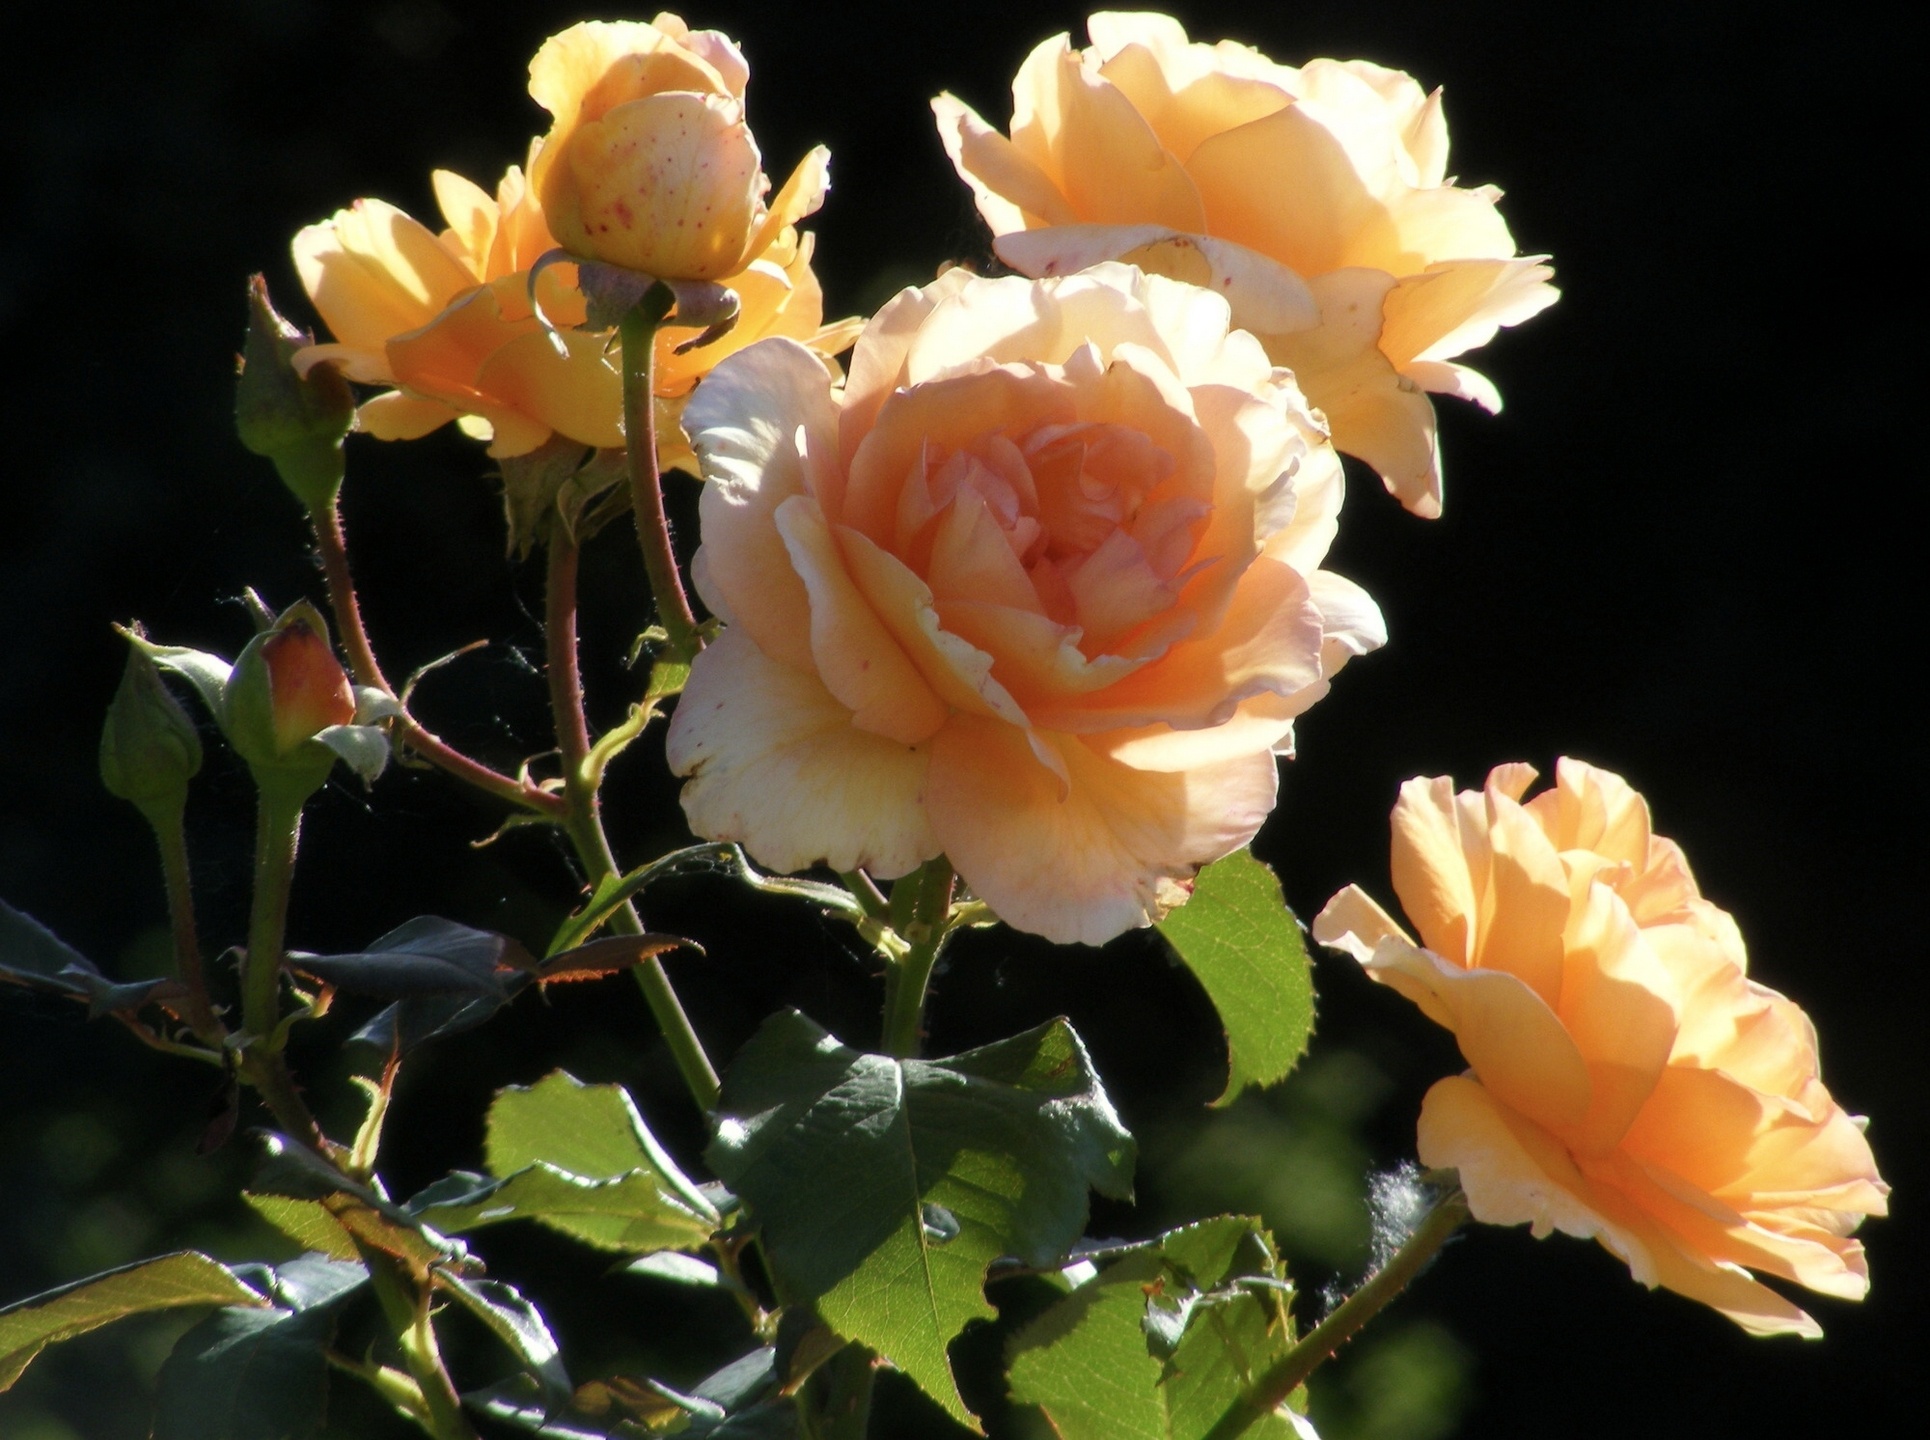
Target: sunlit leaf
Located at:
point(166, 1283)
point(1244, 946)
point(1162, 1340)
point(886, 1187)
point(635, 1212)
point(554, 1140)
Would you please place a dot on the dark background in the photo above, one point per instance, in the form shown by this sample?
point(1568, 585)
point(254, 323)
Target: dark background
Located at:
point(1686, 551)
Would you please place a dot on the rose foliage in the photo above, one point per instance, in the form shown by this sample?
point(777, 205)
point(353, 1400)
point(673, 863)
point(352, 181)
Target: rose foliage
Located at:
point(1002, 623)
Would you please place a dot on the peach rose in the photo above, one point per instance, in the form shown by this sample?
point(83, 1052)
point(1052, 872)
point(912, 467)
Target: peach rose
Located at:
point(1314, 198)
point(1628, 1081)
point(446, 320)
point(650, 165)
point(1038, 590)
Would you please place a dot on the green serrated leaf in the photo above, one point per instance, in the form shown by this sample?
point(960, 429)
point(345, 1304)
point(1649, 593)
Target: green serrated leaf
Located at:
point(307, 1222)
point(1158, 1345)
point(554, 1140)
point(886, 1187)
point(519, 1325)
point(254, 1374)
point(1244, 946)
point(635, 1213)
point(166, 1283)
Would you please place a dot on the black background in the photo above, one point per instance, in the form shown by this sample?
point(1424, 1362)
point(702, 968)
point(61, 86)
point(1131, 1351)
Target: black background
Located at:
point(1687, 550)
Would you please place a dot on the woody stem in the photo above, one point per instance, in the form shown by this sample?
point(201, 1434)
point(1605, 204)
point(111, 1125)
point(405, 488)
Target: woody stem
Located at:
point(639, 337)
point(583, 820)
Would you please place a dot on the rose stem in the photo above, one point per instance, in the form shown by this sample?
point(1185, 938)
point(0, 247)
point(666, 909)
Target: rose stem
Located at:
point(582, 819)
point(639, 334)
point(405, 1305)
point(332, 544)
point(907, 981)
point(277, 832)
point(173, 842)
point(1293, 1368)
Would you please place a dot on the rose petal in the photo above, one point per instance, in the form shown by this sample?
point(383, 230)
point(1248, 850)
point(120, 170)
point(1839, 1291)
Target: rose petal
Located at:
point(776, 765)
point(1085, 866)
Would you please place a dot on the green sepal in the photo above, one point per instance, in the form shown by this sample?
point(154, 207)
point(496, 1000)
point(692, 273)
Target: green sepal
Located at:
point(298, 421)
point(149, 749)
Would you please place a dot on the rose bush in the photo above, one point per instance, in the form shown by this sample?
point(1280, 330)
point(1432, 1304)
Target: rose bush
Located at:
point(1039, 590)
point(1628, 1080)
point(446, 319)
point(1314, 198)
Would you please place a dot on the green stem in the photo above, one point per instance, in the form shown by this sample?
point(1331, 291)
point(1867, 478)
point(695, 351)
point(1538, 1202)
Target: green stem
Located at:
point(405, 1305)
point(198, 1011)
point(1290, 1372)
point(639, 334)
point(907, 981)
point(331, 543)
point(277, 832)
point(583, 821)
point(838, 1397)
point(278, 819)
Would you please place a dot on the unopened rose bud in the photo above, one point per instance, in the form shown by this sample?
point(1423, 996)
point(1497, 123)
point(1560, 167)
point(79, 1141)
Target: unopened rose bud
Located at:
point(287, 686)
point(149, 749)
point(650, 165)
point(297, 421)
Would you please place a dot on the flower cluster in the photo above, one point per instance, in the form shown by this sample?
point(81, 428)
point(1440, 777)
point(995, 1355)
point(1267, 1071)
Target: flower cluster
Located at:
point(463, 327)
point(1628, 1080)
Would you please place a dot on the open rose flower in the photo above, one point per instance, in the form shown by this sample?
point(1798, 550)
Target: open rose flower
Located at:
point(1039, 589)
point(1314, 198)
point(446, 320)
point(1628, 1080)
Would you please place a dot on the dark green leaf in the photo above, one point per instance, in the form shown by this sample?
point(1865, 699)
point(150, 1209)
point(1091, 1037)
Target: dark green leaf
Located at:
point(1162, 1340)
point(551, 1142)
point(31, 954)
point(519, 1325)
point(166, 1283)
point(885, 1188)
point(254, 1374)
point(518, 1403)
point(425, 956)
point(1244, 946)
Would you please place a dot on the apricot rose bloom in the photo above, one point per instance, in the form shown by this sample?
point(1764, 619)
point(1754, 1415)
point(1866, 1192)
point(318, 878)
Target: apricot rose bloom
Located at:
point(650, 164)
point(1039, 589)
point(446, 320)
point(1315, 199)
point(1628, 1080)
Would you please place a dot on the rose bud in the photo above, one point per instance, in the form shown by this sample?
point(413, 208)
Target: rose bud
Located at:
point(149, 749)
point(649, 165)
point(296, 419)
point(287, 687)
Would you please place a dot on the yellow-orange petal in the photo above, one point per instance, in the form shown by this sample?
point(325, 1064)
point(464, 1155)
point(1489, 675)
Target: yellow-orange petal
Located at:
point(1011, 191)
point(755, 423)
point(1081, 864)
point(856, 656)
point(669, 185)
point(776, 765)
